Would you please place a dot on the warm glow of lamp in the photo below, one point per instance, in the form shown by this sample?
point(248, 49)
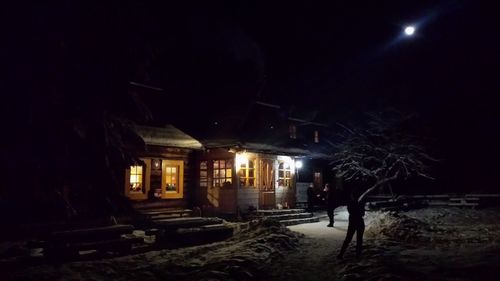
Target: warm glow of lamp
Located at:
point(240, 159)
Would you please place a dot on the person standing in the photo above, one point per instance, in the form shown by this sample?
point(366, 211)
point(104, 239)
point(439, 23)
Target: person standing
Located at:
point(356, 225)
point(331, 199)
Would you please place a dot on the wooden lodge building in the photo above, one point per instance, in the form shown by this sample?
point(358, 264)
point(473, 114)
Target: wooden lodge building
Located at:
point(237, 164)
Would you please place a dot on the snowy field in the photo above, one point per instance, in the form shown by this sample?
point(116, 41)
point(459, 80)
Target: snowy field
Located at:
point(425, 244)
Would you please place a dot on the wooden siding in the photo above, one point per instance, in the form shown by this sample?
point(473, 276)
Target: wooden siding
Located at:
point(189, 180)
point(237, 197)
point(248, 196)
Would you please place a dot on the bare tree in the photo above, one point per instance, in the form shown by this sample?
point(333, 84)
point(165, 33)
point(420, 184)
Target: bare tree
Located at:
point(383, 151)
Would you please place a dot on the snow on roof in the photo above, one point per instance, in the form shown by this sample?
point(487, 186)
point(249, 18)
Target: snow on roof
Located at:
point(252, 146)
point(262, 148)
point(167, 136)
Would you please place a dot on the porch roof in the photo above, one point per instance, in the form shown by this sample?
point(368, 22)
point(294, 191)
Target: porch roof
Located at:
point(168, 136)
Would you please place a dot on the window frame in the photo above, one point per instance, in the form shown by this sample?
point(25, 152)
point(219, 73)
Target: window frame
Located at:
point(146, 176)
point(244, 174)
point(284, 181)
point(219, 169)
point(168, 194)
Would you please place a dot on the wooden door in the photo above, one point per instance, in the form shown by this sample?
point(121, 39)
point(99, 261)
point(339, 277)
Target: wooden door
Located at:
point(267, 193)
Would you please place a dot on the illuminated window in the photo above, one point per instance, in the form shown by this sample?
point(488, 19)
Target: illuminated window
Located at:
point(316, 136)
point(171, 178)
point(247, 173)
point(284, 174)
point(222, 172)
point(293, 131)
point(136, 179)
point(203, 173)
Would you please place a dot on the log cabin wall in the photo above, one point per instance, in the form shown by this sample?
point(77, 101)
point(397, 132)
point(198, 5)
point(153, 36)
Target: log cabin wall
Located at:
point(154, 176)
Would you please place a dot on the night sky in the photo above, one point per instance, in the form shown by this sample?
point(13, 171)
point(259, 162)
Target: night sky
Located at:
point(342, 57)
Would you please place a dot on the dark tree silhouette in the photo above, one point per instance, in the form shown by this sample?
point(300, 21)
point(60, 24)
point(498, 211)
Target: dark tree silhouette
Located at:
point(384, 150)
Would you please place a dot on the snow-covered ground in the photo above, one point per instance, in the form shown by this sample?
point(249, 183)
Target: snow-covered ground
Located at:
point(425, 244)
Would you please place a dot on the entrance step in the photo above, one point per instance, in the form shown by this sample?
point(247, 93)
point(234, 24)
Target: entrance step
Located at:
point(274, 212)
point(288, 216)
point(299, 221)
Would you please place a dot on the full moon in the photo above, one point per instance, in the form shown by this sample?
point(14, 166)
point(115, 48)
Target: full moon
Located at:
point(409, 30)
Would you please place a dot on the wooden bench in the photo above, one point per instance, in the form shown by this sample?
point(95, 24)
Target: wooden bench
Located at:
point(464, 202)
point(69, 244)
point(166, 212)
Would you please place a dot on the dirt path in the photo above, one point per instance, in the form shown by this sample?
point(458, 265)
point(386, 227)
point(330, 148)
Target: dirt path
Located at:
point(316, 258)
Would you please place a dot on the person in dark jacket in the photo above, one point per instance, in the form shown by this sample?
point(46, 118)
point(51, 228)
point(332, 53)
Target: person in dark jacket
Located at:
point(356, 225)
point(331, 199)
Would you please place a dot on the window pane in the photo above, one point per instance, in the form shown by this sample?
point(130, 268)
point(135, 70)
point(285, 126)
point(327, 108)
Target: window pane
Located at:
point(222, 173)
point(287, 174)
point(203, 174)
point(216, 182)
point(251, 173)
point(171, 187)
point(251, 164)
point(229, 164)
point(216, 164)
point(203, 165)
point(222, 163)
point(281, 166)
point(216, 173)
point(174, 170)
point(228, 173)
point(281, 174)
point(251, 182)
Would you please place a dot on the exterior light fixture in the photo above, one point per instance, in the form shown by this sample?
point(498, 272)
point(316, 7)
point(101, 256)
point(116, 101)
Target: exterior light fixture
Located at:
point(156, 163)
point(298, 164)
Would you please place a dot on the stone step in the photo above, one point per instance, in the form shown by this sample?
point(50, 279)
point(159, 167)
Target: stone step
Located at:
point(274, 212)
point(290, 216)
point(299, 221)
